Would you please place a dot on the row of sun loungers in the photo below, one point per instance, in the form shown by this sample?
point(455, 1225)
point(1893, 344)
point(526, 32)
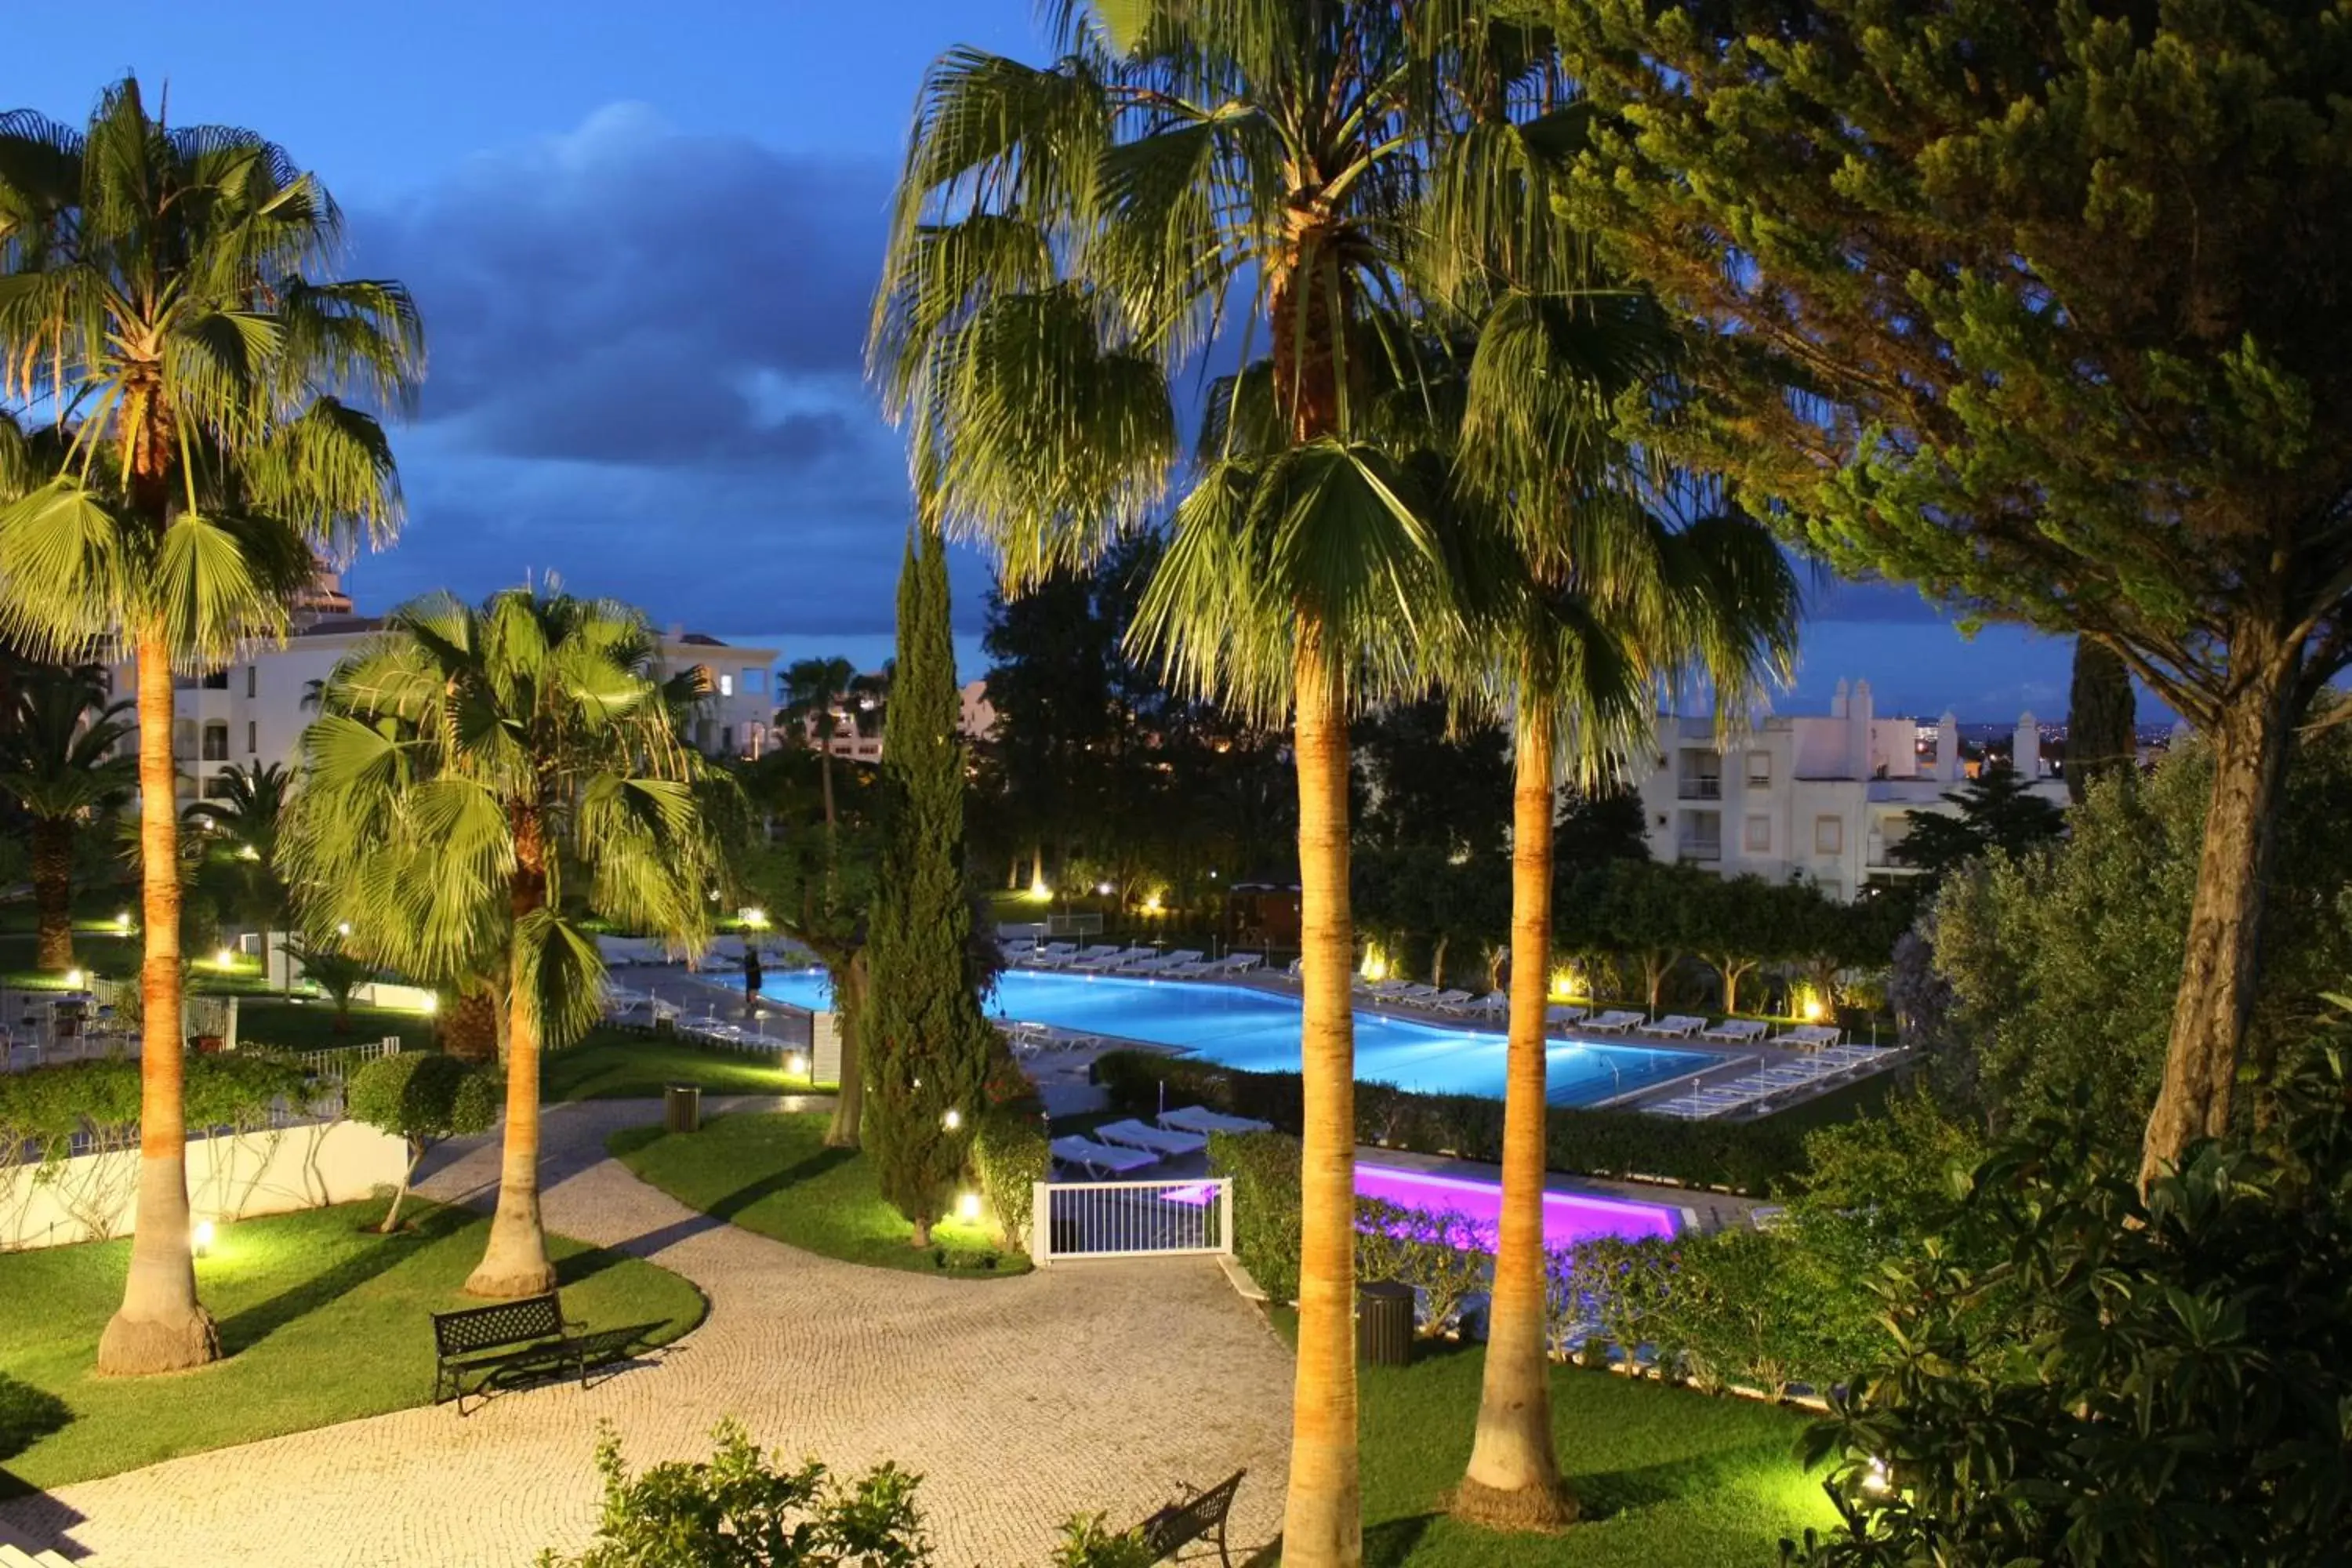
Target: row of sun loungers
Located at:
point(1756, 1089)
point(1121, 1148)
point(1182, 963)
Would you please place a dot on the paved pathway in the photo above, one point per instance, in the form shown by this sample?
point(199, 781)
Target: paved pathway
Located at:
point(1092, 1387)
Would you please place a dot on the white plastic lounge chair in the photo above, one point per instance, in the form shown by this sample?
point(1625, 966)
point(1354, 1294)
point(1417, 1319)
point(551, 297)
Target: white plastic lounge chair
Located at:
point(1449, 1001)
point(1297, 967)
point(1201, 1119)
point(1809, 1036)
point(1677, 1026)
point(1736, 1030)
point(1094, 957)
point(1165, 1142)
point(1559, 1016)
point(1243, 963)
point(1051, 955)
point(1614, 1022)
point(1100, 1157)
point(1418, 996)
point(1117, 958)
point(1493, 1004)
point(1169, 963)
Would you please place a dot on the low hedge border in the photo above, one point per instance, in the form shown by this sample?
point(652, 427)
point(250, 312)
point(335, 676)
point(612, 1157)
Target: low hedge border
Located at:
point(1756, 1159)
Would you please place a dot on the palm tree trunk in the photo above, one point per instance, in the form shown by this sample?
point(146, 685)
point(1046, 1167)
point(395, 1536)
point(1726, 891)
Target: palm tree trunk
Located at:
point(515, 1263)
point(469, 1022)
point(1513, 1481)
point(1323, 1523)
point(53, 893)
point(161, 1326)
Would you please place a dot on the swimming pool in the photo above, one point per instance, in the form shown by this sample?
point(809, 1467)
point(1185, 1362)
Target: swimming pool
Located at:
point(1236, 1027)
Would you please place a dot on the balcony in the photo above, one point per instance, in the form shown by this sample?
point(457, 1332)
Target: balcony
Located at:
point(1700, 849)
point(1700, 786)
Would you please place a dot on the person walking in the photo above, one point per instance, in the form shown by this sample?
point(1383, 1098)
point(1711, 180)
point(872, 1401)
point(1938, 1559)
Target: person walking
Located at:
point(751, 979)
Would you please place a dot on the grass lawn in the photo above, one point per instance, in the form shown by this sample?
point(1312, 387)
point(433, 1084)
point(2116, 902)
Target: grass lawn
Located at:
point(775, 1175)
point(1668, 1479)
point(614, 1064)
point(322, 1321)
point(298, 1024)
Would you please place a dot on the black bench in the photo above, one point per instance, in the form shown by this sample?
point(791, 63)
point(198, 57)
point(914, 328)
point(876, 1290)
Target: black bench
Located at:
point(510, 1341)
point(1197, 1516)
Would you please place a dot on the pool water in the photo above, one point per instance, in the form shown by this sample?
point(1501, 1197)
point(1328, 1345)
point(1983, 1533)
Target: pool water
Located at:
point(1236, 1027)
point(1569, 1217)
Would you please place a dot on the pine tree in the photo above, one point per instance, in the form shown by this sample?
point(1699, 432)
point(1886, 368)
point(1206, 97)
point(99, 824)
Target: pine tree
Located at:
point(926, 1040)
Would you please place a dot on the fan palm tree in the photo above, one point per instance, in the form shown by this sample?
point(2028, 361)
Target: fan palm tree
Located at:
point(160, 304)
point(59, 736)
point(479, 780)
point(244, 819)
point(1070, 238)
point(815, 689)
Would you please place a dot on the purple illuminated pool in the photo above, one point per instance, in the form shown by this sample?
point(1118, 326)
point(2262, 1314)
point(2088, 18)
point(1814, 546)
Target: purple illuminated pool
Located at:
point(1568, 1217)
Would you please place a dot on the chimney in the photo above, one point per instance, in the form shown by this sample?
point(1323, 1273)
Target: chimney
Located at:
point(2027, 756)
point(1947, 747)
point(1837, 702)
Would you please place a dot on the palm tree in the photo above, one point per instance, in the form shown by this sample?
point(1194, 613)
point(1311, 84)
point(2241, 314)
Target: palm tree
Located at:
point(57, 760)
point(157, 306)
point(245, 820)
point(815, 689)
point(479, 780)
point(1068, 240)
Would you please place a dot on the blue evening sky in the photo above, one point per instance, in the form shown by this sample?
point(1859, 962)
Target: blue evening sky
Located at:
point(644, 238)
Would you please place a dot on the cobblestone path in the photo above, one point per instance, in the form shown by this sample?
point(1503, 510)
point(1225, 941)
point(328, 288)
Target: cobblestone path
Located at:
point(1089, 1388)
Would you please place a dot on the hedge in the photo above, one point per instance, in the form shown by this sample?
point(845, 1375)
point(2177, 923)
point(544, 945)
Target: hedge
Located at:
point(1741, 1308)
point(1754, 1158)
point(44, 1109)
point(1009, 1158)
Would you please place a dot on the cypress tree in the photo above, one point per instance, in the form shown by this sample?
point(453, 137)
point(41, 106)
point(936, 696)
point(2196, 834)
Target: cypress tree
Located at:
point(926, 1040)
point(2101, 717)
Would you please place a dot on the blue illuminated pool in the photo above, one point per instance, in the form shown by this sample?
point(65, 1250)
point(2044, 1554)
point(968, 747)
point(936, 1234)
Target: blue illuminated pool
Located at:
point(1239, 1027)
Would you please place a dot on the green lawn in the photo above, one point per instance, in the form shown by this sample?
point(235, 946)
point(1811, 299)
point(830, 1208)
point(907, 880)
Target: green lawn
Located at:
point(1667, 1478)
point(775, 1175)
point(321, 1320)
point(299, 1023)
point(614, 1064)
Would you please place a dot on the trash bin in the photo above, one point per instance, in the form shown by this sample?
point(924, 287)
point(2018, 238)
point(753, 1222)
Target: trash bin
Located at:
point(1384, 1323)
point(682, 1108)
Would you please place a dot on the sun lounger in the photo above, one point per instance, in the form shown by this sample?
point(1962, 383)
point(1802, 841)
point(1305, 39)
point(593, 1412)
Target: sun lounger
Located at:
point(1168, 963)
point(1559, 1016)
point(1735, 1030)
point(1613, 1022)
point(1201, 1119)
point(1243, 963)
point(1493, 1004)
point(1098, 958)
point(1052, 956)
point(1677, 1026)
point(1809, 1036)
point(1162, 1141)
point(1418, 996)
point(1100, 1159)
point(1449, 1001)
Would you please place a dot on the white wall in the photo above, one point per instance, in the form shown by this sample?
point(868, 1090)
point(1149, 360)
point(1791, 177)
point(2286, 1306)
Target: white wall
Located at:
point(94, 1196)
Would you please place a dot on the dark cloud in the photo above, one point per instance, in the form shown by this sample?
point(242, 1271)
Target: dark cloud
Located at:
point(645, 375)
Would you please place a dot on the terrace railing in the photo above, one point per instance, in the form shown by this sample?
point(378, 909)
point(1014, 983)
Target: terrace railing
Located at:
point(1076, 1220)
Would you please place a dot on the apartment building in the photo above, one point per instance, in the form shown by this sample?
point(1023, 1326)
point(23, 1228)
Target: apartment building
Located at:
point(1825, 796)
point(254, 711)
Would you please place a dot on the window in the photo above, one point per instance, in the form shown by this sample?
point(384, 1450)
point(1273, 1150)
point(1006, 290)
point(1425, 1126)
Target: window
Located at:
point(727, 739)
point(755, 680)
point(252, 679)
point(1759, 836)
point(726, 686)
point(1760, 767)
point(252, 737)
point(215, 743)
point(1828, 836)
point(215, 681)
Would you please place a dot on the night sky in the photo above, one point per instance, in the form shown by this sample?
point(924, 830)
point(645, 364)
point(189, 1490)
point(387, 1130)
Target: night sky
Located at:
point(644, 238)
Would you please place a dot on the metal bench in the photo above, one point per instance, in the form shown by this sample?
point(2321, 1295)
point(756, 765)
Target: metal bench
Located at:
point(509, 1340)
point(1195, 1517)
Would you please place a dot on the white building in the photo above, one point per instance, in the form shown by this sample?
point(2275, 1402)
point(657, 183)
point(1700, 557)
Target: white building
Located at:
point(1828, 797)
point(254, 711)
point(858, 725)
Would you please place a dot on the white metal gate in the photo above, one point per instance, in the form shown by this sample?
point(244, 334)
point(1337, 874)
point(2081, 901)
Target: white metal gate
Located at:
point(1131, 1219)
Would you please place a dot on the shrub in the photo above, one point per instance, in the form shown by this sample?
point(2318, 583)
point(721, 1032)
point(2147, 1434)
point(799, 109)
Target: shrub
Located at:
point(1010, 1157)
point(27, 1414)
point(1445, 1257)
point(1754, 1157)
point(421, 1098)
point(1605, 1291)
point(2131, 1378)
point(1263, 1167)
point(736, 1510)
